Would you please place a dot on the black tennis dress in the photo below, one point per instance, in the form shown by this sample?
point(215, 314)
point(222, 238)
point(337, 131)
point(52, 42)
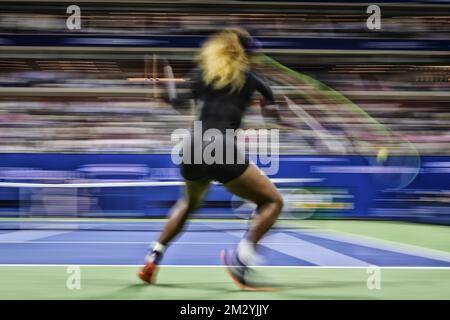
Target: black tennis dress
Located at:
point(221, 109)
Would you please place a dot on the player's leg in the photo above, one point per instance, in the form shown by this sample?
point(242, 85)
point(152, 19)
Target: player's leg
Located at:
point(256, 187)
point(193, 196)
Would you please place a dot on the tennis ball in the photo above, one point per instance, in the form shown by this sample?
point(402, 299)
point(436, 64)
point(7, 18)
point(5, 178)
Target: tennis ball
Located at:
point(382, 155)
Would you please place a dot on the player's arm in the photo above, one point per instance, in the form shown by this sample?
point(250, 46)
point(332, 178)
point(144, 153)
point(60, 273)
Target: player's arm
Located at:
point(180, 97)
point(269, 108)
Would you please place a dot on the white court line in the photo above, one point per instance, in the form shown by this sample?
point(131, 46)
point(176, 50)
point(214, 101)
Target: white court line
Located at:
point(377, 243)
point(28, 235)
point(137, 242)
point(132, 184)
point(304, 250)
point(315, 253)
point(265, 242)
point(220, 266)
point(308, 251)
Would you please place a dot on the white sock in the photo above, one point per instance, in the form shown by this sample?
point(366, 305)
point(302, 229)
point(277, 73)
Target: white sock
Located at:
point(247, 253)
point(156, 247)
point(159, 247)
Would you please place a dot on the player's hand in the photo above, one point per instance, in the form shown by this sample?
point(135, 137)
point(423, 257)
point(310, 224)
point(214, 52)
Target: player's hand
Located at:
point(382, 155)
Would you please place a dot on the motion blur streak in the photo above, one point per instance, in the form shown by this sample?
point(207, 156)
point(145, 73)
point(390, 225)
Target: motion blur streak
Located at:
point(85, 142)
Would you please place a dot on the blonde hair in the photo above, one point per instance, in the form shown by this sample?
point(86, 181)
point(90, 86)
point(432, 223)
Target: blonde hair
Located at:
point(223, 60)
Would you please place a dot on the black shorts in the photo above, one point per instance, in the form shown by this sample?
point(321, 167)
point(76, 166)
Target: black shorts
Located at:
point(222, 170)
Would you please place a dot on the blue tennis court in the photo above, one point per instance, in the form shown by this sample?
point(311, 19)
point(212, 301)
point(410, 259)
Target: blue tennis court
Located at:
point(98, 243)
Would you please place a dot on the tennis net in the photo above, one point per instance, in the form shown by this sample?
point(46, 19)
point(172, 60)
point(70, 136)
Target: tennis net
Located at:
point(116, 206)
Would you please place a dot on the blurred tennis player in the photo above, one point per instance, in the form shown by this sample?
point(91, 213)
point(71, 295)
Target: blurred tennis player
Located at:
point(223, 85)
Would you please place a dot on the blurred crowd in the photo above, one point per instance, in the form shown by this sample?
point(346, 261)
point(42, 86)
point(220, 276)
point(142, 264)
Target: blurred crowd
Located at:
point(81, 100)
point(270, 20)
point(101, 112)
